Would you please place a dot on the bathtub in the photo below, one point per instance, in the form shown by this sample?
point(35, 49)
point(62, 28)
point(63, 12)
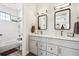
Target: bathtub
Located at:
point(8, 45)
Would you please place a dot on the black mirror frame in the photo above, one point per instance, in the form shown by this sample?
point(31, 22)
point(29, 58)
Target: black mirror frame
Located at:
point(46, 21)
point(69, 19)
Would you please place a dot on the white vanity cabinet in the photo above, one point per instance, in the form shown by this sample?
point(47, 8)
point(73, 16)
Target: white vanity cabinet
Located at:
point(53, 46)
point(62, 47)
point(37, 45)
point(41, 46)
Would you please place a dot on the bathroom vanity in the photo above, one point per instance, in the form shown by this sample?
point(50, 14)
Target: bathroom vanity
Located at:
point(46, 45)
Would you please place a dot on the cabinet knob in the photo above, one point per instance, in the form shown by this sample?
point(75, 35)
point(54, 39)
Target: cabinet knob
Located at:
point(51, 48)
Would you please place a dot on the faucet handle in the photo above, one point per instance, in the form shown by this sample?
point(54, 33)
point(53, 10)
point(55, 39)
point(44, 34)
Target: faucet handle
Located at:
point(61, 33)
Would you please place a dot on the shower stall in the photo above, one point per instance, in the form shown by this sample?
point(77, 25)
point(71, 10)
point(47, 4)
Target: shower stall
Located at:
point(10, 26)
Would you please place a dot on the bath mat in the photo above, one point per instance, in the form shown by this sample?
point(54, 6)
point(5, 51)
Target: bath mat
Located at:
point(8, 52)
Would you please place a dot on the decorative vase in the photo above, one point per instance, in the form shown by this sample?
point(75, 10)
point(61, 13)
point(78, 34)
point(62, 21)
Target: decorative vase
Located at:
point(33, 29)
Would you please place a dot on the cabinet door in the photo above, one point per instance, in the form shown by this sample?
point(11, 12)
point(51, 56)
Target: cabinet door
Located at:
point(68, 52)
point(52, 49)
point(41, 52)
point(42, 45)
point(33, 46)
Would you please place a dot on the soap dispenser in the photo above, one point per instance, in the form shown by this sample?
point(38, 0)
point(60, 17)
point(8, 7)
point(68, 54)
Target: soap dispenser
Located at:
point(62, 27)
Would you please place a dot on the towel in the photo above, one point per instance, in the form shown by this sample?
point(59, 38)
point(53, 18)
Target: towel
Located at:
point(76, 28)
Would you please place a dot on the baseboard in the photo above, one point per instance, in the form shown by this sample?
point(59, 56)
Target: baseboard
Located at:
point(31, 54)
point(27, 52)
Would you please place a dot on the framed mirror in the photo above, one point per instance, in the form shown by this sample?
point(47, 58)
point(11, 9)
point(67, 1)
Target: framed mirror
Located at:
point(42, 22)
point(62, 19)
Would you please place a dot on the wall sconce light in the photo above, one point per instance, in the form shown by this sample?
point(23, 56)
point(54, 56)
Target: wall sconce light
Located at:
point(61, 5)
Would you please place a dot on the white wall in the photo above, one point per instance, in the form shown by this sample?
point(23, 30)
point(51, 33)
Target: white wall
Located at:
point(29, 11)
point(50, 14)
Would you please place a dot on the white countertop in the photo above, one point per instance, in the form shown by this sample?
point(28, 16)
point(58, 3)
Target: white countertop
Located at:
point(57, 37)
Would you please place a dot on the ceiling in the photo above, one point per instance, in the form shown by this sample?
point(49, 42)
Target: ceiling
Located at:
point(14, 6)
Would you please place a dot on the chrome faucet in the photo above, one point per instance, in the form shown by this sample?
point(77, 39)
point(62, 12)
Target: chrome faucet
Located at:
point(61, 33)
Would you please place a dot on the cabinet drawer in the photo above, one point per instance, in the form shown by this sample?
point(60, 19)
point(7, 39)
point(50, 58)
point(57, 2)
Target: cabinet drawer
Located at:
point(41, 53)
point(42, 45)
point(32, 38)
point(50, 54)
point(52, 48)
point(41, 39)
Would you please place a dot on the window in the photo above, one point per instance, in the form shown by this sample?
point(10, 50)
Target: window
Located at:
point(4, 16)
point(7, 17)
